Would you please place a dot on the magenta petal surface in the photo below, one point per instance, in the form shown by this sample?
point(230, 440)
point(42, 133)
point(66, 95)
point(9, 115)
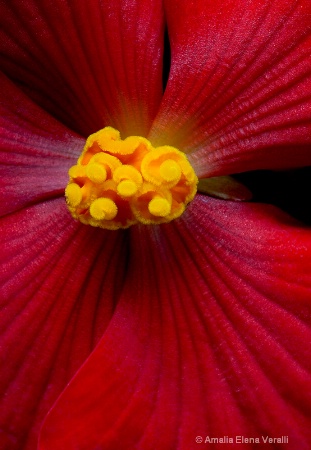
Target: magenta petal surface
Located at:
point(60, 282)
point(89, 63)
point(36, 151)
point(238, 96)
point(211, 337)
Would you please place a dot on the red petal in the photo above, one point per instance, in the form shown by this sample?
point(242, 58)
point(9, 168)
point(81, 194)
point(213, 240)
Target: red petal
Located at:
point(211, 338)
point(59, 287)
point(90, 64)
point(239, 92)
point(36, 151)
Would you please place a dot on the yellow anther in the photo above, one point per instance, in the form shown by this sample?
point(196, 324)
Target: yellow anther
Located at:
point(103, 209)
point(166, 165)
point(104, 135)
point(109, 161)
point(159, 207)
point(109, 139)
point(77, 171)
point(118, 183)
point(73, 194)
point(127, 188)
point(170, 171)
point(126, 147)
point(127, 172)
point(96, 173)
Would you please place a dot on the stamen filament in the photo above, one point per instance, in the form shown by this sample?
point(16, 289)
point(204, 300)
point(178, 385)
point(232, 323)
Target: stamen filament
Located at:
point(159, 207)
point(103, 209)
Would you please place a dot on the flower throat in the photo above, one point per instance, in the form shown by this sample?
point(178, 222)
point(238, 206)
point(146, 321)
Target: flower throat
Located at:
point(117, 183)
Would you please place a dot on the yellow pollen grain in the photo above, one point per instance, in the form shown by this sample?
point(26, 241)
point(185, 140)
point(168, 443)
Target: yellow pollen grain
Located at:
point(96, 173)
point(159, 207)
point(127, 188)
point(170, 170)
point(103, 209)
point(73, 194)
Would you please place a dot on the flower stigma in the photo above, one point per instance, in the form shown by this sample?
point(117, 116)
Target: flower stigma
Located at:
point(118, 183)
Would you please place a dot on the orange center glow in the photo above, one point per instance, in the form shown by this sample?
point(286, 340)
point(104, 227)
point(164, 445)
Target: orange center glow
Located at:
point(117, 183)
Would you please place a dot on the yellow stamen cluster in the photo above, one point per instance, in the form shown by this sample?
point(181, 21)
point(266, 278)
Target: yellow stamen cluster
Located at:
point(117, 183)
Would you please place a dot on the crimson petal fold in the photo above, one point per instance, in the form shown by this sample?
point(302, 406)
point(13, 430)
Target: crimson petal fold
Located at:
point(90, 64)
point(238, 96)
point(216, 348)
point(60, 282)
point(36, 151)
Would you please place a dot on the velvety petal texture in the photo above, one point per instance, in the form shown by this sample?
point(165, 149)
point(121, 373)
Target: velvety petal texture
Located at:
point(78, 61)
point(36, 151)
point(238, 96)
point(149, 337)
point(219, 347)
point(60, 283)
point(59, 280)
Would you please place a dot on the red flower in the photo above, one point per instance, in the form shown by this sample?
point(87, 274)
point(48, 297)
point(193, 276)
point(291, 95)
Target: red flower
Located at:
point(157, 334)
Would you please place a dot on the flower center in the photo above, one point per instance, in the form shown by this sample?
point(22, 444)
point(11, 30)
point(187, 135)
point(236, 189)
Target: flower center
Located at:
point(117, 183)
